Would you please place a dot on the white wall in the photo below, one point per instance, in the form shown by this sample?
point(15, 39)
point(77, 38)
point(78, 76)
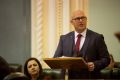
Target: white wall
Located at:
point(104, 17)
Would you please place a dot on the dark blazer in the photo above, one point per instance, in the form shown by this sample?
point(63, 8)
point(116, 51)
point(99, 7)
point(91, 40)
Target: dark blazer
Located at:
point(94, 49)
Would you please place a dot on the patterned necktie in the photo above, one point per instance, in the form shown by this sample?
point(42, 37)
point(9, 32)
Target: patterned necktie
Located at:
point(77, 45)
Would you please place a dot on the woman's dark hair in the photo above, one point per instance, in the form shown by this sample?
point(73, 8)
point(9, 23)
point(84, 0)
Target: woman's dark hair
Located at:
point(26, 70)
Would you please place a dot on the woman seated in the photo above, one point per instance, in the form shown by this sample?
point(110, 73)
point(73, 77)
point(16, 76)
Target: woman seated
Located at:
point(33, 69)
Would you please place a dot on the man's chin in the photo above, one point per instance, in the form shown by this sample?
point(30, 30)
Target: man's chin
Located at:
point(81, 29)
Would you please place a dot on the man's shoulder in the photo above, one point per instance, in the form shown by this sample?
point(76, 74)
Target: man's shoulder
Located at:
point(93, 32)
point(69, 34)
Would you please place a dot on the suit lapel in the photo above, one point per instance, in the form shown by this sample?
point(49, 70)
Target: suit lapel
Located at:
point(85, 45)
point(71, 43)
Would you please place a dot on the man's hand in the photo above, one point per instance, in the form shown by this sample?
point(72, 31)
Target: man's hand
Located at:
point(91, 66)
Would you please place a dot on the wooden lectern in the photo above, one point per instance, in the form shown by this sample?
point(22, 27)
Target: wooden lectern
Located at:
point(66, 63)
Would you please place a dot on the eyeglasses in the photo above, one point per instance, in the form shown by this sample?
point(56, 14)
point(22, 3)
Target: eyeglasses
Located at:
point(78, 18)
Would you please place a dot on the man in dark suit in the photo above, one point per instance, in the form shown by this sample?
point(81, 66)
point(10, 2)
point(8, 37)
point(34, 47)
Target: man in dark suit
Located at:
point(92, 48)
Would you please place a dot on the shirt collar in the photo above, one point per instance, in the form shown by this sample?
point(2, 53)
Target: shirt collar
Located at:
point(83, 33)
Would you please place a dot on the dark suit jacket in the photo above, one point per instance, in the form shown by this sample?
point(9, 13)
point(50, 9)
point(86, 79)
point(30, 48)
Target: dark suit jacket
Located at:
point(94, 49)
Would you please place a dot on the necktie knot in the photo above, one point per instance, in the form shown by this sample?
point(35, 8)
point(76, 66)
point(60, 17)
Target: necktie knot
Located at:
point(79, 35)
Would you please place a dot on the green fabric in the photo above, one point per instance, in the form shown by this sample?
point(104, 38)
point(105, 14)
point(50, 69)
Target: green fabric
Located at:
point(52, 73)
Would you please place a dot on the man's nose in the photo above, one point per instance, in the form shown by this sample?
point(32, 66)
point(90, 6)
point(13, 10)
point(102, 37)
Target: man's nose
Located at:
point(80, 20)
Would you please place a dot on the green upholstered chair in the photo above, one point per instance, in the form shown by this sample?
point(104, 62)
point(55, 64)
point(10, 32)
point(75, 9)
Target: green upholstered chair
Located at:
point(111, 73)
point(54, 74)
point(15, 67)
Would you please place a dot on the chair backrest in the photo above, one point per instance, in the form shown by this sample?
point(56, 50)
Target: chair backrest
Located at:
point(54, 74)
point(16, 76)
point(15, 67)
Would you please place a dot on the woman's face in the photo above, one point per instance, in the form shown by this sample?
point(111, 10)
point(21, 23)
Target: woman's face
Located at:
point(33, 68)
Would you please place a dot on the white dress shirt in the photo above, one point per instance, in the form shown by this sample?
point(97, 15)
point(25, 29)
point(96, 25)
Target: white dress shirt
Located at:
point(83, 37)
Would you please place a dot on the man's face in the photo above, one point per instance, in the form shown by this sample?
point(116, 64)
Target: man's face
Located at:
point(79, 21)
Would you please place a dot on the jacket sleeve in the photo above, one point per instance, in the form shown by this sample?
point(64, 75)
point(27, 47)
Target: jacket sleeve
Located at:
point(103, 53)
